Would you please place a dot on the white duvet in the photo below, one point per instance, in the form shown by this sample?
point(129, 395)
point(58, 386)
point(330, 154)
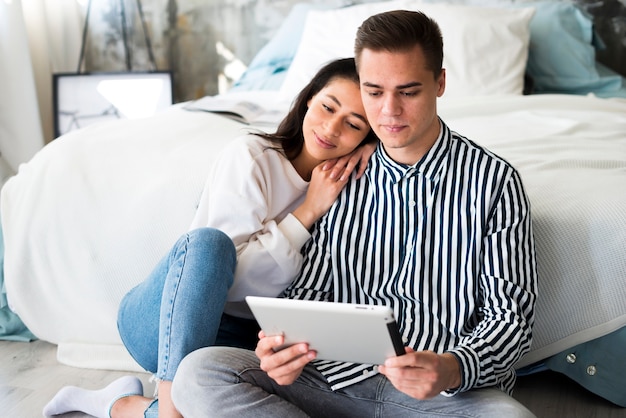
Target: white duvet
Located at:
point(571, 153)
point(87, 218)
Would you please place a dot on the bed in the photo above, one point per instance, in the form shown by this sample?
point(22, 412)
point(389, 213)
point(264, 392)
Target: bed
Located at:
point(88, 217)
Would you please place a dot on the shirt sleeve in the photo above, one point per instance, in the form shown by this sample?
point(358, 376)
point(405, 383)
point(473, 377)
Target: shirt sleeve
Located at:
point(237, 200)
point(508, 286)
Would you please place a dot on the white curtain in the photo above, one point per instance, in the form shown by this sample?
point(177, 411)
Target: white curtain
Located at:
point(37, 38)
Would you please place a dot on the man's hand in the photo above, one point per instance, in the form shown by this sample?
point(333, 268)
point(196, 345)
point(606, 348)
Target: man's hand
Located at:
point(283, 366)
point(423, 374)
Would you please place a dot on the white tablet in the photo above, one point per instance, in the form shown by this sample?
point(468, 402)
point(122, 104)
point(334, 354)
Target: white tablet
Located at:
point(337, 331)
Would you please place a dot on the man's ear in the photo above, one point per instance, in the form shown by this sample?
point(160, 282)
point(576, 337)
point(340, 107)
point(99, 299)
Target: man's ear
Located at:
point(441, 83)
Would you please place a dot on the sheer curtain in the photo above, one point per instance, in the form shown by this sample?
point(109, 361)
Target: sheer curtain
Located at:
point(37, 38)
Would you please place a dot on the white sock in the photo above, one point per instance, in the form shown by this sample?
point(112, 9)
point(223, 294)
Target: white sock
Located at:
point(93, 402)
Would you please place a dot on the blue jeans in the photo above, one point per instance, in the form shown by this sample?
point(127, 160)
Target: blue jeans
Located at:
point(228, 382)
point(179, 307)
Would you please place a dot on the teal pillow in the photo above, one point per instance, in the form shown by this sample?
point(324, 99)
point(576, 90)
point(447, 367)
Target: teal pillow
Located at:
point(561, 56)
point(269, 66)
point(597, 365)
point(11, 326)
point(3, 292)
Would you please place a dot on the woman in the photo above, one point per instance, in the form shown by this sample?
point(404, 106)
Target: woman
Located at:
point(264, 193)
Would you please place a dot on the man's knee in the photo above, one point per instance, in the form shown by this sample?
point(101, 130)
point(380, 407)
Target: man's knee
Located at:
point(184, 385)
point(204, 370)
point(202, 366)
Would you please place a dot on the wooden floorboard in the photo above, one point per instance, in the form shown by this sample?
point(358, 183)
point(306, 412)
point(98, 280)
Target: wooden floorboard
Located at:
point(552, 395)
point(30, 376)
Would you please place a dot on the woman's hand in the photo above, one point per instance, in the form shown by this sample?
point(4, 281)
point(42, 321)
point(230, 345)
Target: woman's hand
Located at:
point(342, 167)
point(284, 366)
point(328, 179)
point(322, 193)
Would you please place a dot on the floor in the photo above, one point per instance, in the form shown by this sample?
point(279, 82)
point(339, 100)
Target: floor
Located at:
point(30, 376)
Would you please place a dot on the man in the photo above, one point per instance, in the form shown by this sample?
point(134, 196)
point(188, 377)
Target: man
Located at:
point(438, 228)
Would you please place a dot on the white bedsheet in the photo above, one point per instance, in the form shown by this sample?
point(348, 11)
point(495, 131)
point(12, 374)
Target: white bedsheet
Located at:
point(89, 216)
point(571, 153)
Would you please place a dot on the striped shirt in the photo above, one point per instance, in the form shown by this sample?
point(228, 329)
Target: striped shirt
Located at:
point(447, 243)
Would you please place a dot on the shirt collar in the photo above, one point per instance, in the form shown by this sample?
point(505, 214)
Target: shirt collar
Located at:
point(429, 166)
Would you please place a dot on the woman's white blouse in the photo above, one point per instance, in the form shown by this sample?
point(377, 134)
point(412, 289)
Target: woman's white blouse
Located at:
point(250, 193)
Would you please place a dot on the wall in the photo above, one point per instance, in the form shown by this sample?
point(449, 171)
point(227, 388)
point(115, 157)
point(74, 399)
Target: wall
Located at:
point(204, 43)
point(207, 43)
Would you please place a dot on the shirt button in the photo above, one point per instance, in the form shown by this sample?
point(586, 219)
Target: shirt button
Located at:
point(368, 372)
point(405, 340)
point(571, 358)
point(412, 203)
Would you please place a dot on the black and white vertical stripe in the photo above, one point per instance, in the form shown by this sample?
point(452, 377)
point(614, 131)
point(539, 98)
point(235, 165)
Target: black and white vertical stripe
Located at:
point(447, 243)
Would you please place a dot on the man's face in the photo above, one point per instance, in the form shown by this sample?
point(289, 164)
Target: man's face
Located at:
point(400, 98)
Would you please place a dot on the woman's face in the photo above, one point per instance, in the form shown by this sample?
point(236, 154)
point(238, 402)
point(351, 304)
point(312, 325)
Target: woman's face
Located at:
point(335, 122)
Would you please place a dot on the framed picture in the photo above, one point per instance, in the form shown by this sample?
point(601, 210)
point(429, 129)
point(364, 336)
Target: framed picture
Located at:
point(83, 99)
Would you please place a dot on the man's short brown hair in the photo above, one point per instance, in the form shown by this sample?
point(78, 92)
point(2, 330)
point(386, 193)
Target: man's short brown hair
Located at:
point(399, 31)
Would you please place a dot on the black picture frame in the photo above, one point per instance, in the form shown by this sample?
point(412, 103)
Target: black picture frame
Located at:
point(81, 99)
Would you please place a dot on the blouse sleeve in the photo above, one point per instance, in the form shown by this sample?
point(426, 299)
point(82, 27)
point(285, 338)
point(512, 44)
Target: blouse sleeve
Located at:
point(237, 199)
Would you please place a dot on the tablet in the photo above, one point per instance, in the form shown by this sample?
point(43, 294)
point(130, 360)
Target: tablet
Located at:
point(337, 331)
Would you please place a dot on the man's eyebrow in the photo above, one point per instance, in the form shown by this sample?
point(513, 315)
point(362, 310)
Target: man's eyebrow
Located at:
point(409, 85)
point(400, 87)
point(368, 84)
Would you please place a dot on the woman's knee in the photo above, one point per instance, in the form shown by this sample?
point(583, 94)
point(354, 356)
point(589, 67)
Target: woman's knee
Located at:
point(215, 242)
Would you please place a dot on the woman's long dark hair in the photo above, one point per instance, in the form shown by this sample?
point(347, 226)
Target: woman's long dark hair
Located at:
point(289, 135)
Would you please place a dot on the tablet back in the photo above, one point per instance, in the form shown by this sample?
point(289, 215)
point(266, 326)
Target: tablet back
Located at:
point(337, 331)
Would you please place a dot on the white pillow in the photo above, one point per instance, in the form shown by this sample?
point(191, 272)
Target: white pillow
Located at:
point(485, 48)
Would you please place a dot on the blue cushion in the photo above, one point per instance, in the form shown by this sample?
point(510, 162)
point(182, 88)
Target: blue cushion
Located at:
point(561, 55)
point(604, 73)
point(11, 326)
point(597, 365)
point(269, 66)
